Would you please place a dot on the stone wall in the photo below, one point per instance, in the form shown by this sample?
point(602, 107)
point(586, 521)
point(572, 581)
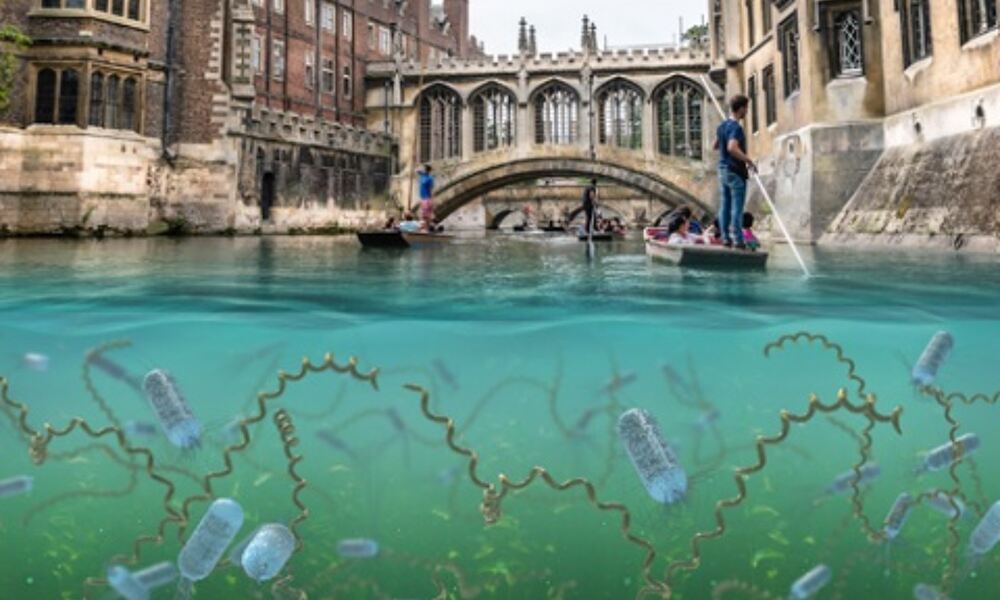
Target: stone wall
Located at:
point(937, 183)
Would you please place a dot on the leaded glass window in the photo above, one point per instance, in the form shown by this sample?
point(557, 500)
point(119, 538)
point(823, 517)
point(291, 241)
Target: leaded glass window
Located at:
point(557, 114)
point(850, 58)
point(619, 106)
point(440, 124)
point(679, 106)
point(494, 116)
point(976, 17)
point(789, 39)
point(916, 28)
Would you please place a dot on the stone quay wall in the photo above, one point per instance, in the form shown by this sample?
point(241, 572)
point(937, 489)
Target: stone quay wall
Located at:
point(64, 180)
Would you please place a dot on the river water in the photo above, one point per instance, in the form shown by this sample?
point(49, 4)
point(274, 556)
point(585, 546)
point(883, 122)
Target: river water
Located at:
point(534, 351)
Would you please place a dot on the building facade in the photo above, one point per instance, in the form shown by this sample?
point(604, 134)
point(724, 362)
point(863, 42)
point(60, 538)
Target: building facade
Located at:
point(203, 115)
point(873, 118)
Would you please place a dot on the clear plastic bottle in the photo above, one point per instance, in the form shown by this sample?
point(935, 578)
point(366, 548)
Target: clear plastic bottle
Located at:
point(175, 416)
point(937, 350)
point(810, 583)
point(357, 548)
point(653, 458)
point(268, 551)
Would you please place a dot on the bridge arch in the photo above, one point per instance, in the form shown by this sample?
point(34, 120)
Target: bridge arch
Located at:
point(467, 187)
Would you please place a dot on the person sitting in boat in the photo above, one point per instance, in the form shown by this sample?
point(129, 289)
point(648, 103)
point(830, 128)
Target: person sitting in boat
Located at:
point(679, 235)
point(409, 224)
point(391, 225)
point(617, 227)
point(713, 235)
point(749, 238)
point(685, 212)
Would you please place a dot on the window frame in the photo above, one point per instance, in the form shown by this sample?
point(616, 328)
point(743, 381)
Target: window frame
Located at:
point(770, 88)
point(89, 9)
point(278, 60)
point(790, 60)
point(832, 12)
point(347, 24)
point(309, 12)
point(328, 17)
point(309, 70)
point(332, 72)
point(752, 95)
point(906, 23)
point(278, 6)
point(989, 20)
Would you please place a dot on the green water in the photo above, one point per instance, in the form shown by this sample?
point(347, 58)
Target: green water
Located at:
point(485, 324)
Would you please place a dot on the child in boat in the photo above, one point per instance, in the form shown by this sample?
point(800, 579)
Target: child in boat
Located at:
point(391, 225)
point(678, 234)
point(748, 235)
point(409, 224)
point(713, 236)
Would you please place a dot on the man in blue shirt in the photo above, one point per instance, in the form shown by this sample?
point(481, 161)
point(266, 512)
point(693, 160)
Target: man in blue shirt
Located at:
point(427, 197)
point(734, 167)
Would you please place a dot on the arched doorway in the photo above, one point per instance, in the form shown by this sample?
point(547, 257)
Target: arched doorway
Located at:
point(266, 195)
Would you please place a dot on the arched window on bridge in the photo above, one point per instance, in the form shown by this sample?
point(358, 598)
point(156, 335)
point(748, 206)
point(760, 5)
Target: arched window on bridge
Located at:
point(494, 111)
point(557, 114)
point(679, 117)
point(619, 112)
point(440, 124)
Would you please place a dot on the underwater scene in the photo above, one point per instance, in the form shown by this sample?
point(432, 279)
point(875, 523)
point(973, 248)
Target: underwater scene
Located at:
point(502, 417)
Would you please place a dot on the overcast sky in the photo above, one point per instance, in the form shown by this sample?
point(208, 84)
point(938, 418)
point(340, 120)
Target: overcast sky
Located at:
point(623, 22)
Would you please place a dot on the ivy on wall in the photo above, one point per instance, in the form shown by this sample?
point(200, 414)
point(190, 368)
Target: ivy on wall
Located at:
point(12, 43)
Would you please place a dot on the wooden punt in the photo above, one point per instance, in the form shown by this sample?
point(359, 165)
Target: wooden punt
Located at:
point(706, 257)
point(398, 239)
point(599, 237)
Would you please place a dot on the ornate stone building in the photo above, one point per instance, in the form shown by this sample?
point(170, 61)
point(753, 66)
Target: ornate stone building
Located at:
point(874, 118)
point(203, 115)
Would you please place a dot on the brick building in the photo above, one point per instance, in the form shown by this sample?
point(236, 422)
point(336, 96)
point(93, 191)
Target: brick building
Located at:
point(206, 112)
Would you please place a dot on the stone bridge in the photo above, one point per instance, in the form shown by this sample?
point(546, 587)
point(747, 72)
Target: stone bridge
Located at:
point(635, 118)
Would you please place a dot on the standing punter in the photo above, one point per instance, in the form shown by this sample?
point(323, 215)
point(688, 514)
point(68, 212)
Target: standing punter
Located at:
point(427, 197)
point(734, 166)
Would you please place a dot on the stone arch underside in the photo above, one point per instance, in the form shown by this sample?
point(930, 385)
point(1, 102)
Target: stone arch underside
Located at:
point(455, 194)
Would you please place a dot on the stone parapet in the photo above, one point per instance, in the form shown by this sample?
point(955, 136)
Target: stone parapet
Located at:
point(295, 128)
point(622, 59)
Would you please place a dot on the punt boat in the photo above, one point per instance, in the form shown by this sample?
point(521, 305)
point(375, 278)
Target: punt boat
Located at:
point(398, 239)
point(706, 257)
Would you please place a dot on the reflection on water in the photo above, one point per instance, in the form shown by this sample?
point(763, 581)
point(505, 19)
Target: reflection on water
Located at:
point(535, 353)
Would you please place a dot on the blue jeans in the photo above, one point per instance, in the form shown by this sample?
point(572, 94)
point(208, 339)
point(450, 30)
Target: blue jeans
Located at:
point(733, 197)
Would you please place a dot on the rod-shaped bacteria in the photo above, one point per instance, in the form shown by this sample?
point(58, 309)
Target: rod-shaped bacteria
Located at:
point(810, 583)
point(937, 350)
point(897, 516)
point(157, 576)
point(36, 361)
point(175, 416)
point(922, 591)
point(357, 548)
point(653, 458)
point(987, 532)
point(124, 582)
point(268, 551)
point(210, 539)
point(843, 481)
point(940, 502)
point(944, 455)
point(13, 486)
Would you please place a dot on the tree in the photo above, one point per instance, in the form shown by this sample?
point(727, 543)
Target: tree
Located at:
point(12, 43)
point(695, 34)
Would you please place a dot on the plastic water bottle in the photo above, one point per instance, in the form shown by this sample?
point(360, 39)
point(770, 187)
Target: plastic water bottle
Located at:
point(210, 539)
point(13, 486)
point(123, 582)
point(986, 535)
point(937, 350)
point(653, 458)
point(810, 583)
point(897, 516)
point(944, 455)
point(266, 554)
point(175, 416)
point(843, 481)
point(357, 548)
